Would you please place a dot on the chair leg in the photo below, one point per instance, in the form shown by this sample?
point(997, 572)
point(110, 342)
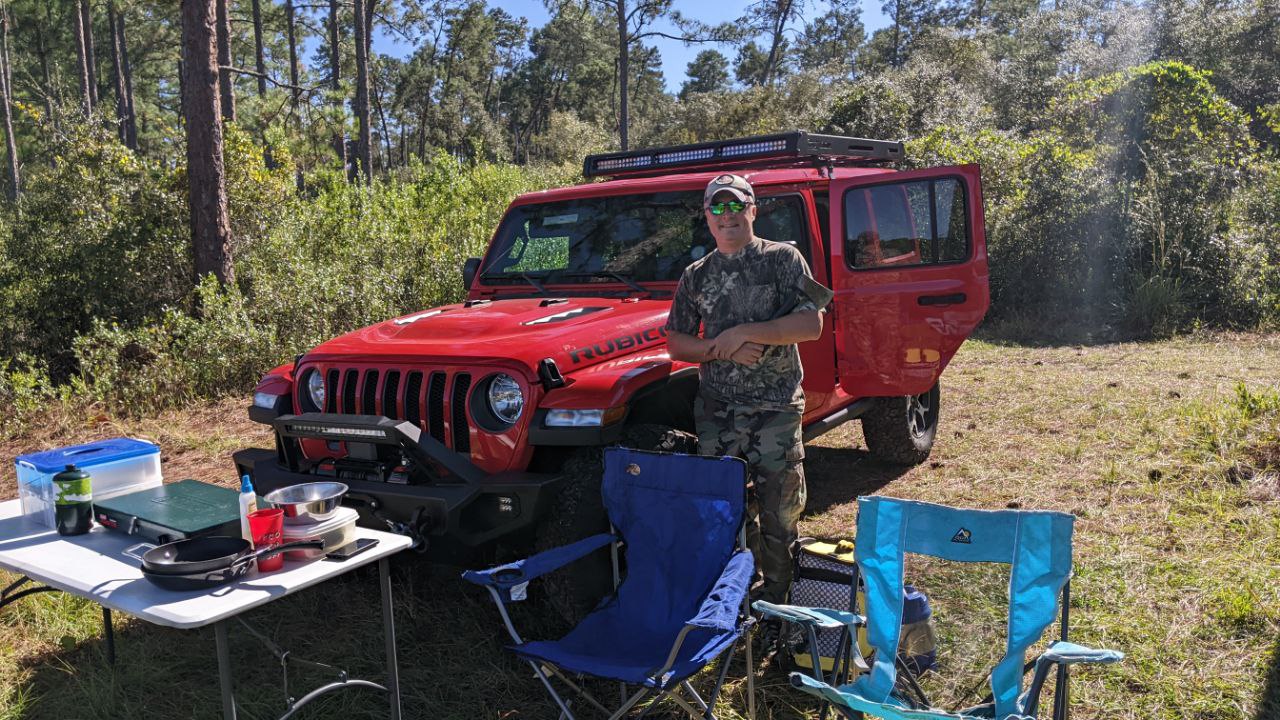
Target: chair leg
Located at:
point(626, 706)
point(751, 678)
point(546, 682)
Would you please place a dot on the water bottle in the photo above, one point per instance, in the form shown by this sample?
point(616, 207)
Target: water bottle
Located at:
point(73, 501)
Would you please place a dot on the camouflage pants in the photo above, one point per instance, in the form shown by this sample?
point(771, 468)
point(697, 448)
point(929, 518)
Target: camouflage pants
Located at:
point(769, 440)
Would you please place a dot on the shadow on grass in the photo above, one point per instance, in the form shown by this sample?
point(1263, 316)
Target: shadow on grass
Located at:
point(1269, 700)
point(451, 656)
point(838, 476)
point(451, 650)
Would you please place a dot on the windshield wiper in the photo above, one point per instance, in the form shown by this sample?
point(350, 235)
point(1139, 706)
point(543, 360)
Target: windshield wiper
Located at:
point(532, 280)
point(620, 277)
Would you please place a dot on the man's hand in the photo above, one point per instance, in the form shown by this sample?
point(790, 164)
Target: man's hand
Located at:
point(749, 354)
point(727, 343)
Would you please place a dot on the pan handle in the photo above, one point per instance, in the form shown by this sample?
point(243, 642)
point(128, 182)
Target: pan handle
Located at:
point(132, 550)
point(250, 557)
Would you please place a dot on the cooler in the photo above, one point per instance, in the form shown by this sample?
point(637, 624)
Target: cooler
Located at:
point(118, 466)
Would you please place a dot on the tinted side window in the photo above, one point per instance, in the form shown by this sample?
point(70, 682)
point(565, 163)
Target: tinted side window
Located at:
point(781, 219)
point(910, 223)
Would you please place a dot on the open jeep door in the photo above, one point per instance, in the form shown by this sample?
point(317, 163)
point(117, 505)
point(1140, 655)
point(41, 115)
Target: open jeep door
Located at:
point(909, 270)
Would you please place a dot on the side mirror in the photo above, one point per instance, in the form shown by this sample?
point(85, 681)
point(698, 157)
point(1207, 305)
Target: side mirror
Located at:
point(469, 270)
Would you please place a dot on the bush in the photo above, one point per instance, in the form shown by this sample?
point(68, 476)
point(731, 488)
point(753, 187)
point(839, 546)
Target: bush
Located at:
point(308, 270)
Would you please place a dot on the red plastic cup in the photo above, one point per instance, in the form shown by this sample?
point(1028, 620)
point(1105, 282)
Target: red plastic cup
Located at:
point(267, 527)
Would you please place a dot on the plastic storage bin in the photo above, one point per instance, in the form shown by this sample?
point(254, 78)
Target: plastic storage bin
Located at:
point(117, 466)
point(336, 532)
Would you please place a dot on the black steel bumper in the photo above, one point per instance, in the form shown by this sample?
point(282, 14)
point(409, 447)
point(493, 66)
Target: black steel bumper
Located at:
point(445, 501)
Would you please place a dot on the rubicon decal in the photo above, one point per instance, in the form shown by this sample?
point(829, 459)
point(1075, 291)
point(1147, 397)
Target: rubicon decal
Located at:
point(626, 342)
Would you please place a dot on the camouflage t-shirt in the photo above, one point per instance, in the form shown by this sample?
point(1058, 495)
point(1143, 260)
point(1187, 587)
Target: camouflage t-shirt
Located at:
point(762, 281)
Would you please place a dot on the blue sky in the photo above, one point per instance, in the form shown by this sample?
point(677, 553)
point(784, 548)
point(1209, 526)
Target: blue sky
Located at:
point(675, 55)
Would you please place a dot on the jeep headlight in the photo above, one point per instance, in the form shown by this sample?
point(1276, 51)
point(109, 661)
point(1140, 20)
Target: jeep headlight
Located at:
point(315, 389)
point(505, 399)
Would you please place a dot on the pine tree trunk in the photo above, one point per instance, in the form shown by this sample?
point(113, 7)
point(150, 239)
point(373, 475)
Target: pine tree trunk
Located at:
point(624, 71)
point(260, 63)
point(42, 50)
point(131, 113)
point(361, 105)
point(117, 72)
point(335, 77)
point(82, 63)
point(6, 89)
point(210, 226)
point(226, 85)
point(91, 57)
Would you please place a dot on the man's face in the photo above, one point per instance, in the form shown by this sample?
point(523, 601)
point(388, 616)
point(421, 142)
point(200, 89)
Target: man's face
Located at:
point(731, 229)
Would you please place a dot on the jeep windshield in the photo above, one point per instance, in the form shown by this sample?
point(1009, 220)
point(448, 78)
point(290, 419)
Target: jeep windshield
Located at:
point(628, 239)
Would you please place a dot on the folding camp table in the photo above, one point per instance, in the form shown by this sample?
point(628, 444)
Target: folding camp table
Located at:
point(95, 566)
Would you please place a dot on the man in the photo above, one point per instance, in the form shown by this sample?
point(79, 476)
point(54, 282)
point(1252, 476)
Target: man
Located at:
point(755, 299)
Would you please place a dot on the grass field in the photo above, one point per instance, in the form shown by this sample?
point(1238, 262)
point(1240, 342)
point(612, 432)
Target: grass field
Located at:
point(1168, 453)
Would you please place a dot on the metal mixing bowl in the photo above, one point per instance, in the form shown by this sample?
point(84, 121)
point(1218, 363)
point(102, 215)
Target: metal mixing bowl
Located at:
point(307, 502)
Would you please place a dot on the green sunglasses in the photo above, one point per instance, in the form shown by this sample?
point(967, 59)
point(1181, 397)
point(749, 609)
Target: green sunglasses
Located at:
point(733, 206)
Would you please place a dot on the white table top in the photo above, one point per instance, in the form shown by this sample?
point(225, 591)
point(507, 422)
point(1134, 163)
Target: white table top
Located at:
point(94, 566)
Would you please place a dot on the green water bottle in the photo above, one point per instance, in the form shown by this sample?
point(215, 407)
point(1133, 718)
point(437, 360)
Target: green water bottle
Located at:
point(73, 501)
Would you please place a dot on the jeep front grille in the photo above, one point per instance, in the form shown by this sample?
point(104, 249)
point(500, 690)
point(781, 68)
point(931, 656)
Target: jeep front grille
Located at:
point(424, 398)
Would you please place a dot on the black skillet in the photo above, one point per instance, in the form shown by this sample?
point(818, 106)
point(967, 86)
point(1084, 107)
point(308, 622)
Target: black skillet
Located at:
point(205, 562)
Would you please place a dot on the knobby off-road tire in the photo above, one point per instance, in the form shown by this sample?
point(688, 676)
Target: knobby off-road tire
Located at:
point(900, 430)
point(578, 512)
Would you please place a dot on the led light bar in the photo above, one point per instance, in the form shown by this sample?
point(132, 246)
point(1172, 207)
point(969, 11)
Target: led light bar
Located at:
point(796, 147)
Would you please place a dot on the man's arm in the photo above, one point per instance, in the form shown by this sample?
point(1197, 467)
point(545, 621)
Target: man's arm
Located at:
point(797, 327)
point(690, 348)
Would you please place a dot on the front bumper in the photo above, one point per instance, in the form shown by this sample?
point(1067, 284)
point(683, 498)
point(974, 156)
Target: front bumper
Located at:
point(446, 501)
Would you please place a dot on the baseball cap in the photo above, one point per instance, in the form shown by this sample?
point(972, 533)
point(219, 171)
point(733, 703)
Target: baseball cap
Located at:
point(735, 184)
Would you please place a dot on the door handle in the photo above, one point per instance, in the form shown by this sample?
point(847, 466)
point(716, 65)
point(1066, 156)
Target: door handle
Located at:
point(952, 299)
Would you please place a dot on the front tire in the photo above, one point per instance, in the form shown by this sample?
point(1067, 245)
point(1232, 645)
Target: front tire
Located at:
point(901, 430)
point(578, 512)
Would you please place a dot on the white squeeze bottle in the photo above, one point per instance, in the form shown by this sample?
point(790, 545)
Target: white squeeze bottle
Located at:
point(248, 503)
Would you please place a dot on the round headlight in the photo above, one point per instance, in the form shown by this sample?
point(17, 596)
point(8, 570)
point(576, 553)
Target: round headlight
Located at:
point(315, 389)
point(505, 399)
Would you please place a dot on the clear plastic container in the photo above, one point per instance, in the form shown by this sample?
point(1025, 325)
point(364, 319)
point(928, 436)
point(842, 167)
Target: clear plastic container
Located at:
point(335, 532)
point(117, 466)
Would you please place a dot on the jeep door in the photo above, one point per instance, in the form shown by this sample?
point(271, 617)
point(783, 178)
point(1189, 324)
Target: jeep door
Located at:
point(909, 271)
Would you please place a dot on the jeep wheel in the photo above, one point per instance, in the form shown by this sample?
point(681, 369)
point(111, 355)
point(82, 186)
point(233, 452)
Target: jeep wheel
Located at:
point(900, 430)
point(578, 512)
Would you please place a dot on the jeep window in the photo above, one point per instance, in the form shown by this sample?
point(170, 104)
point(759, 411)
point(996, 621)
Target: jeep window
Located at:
point(643, 238)
point(912, 223)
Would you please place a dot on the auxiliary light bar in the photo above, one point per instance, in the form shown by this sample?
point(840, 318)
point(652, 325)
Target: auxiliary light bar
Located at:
point(781, 149)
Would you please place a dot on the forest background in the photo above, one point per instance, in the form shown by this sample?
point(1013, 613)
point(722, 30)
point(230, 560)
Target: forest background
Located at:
point(1128, 150)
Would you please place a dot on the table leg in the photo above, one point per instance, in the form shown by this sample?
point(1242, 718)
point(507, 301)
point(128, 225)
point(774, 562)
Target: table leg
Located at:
point(109, 634)
point(224, 671)
point(389, 631)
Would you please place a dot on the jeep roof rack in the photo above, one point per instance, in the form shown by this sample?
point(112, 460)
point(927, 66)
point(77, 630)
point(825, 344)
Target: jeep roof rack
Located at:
point(786, 149)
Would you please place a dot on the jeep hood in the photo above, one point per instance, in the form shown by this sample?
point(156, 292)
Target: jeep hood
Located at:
point(575, 332)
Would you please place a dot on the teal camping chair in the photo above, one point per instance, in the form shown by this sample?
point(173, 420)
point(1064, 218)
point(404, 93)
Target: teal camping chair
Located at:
point(1037, 547)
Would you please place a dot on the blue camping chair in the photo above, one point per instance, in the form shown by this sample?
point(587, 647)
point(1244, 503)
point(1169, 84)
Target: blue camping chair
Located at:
point(682, 603)
point(1037, 547)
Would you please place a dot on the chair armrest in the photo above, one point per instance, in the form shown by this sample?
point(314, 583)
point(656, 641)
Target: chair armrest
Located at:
point(1062, 653)
point(722, 606)
point(505, 577)
point(1067, 653)
point(820, 618)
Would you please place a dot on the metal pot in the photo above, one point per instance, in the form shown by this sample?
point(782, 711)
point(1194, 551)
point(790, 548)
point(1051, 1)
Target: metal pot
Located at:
point(307, 502)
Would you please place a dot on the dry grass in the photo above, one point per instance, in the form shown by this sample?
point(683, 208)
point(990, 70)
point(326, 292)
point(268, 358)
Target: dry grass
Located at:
point(1173, 473)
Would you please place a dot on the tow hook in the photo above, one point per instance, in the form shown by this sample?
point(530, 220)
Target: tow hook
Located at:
point(417, 529)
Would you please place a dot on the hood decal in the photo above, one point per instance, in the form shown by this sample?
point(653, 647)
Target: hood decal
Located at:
point(562, 316)
point(415, 318)
point(602, 350)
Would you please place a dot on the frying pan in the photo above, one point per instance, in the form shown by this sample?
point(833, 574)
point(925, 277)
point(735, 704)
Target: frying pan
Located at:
point(204, 562)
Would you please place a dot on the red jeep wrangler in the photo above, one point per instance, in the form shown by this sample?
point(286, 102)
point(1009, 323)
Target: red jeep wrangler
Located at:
point(469, 423)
